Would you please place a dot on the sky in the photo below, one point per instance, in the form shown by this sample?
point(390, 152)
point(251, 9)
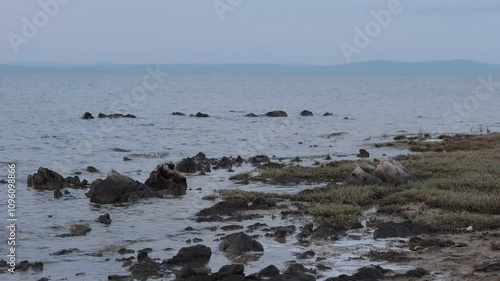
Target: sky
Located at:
point(248, 31)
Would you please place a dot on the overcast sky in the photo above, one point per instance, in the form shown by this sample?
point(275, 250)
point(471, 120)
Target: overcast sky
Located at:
point(255, 31)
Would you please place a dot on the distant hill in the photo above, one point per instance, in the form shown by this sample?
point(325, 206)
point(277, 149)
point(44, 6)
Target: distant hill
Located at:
point(455, 67)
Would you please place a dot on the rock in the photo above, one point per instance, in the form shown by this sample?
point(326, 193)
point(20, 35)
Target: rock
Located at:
point(323, 267)
point(228, 207)
point(404, 229)
point(262, 204)
point(124, 251)
point(87, 115)
point(145, 267)
point(79, 229)
point(277, 113)
point(251, 115)
point(328, 114)
point(116, 115)
point(306, 255)
point(361, 176)
point(328, 157)
point(325, 231)
point(239, 243)
point(120, 278)
point(178, 114)
point(417, 243)
point(65, 252)
point(25, 265)
point(45, 179)
point(258, 160)
point(269, 271)
point(127, 158)
point(488, 266)
point(188, 165)
point(363, 153)
point(201, 115)
point(367, 273)
point(231, 227)
point(57, 193)
point(91, 169)
point(416, 273)
point(296, 160)
point(105, 219)
point(197, 255)
point(200, 157)
point(393, 173)
point(118, 188)
point(72, 180)
point(306, 113)
point(228, 271)
point(166, 180)
point(298, 272)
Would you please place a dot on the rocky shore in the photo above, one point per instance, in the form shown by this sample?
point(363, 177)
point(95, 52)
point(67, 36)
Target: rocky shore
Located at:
point(437, 212)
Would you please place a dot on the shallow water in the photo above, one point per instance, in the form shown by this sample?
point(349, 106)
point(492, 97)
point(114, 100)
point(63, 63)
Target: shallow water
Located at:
point(42, 127)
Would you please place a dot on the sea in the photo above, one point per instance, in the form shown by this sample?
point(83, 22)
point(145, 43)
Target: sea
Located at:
point(42, 127)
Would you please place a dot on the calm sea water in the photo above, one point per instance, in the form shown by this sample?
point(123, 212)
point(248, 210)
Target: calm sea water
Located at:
point(41, 126)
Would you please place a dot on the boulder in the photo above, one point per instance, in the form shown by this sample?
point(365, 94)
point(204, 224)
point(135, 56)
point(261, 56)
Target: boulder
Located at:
point(306, 113)
point(79, 229)
point(118, 188)
point(45, 179)
point(87, 115)
point(298, 272)
point(195, 255)
point(229, 271)
point(277, 113)
point(393, 173)
point(328, 114)
point(178, 114)
point(269, 271)
point(164, 179)
point(362, 175)
point(363, 154)
point(92, 169)
point(239, 243)
point(105, 219)
point(251, 115)
point(188, 165)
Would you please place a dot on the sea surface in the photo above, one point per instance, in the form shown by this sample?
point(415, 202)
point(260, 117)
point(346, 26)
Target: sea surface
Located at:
point(41, 126)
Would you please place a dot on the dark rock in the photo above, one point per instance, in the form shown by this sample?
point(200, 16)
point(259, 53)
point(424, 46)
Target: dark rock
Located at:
point(296, 160)
point(363, 153)
point(256, 226)
point(416, 273)
point(262, 204)
point(45, 179)
point(328, 114)
point(145, 267)
point(127, 159)
point(488, 266)
point(231, 227)
point(201, 115)
point(43, 279)
point(328, 157)
point(72, 180)
point(367, 273)
point(147, 250)
point(84, 183)
point(228, 207)
point(91, 169)
point(200, 157)
point(230, 270)
point(102, 115)
point(57, 193)
point(258, 160)
point(239, 243)
point(417, 243)
point(404, 229)
point(188, 165)
point(277, 113)
point(326, 231)
point(166, 180)
point(269, 271)
point(87, 115)
point(251, 115)
point(178, 114)
point(323, 267)
point(197, 240)
point(116, 115)
point(118, 188)
point(212, 218)
point(230, 170)
point(197, 255)
point(65, 252)
point(306, 255)
point(298, 272)
point(124, 251)
point(105, 219)
point(306, 113)
point(120, 278)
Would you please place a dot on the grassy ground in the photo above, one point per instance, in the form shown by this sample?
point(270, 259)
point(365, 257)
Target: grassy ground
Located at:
point(460, 186)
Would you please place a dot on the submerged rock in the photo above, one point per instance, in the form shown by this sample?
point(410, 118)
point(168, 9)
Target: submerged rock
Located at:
point(178, 114)
point(251, 115)
point(164, 179)
point(118, 188)
point(79, 229)
point(116, 115)
point(201, 115)
point(45, 179)
point(306, 113)
point(239, 243)
point(87, 115)
point(276, 113)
